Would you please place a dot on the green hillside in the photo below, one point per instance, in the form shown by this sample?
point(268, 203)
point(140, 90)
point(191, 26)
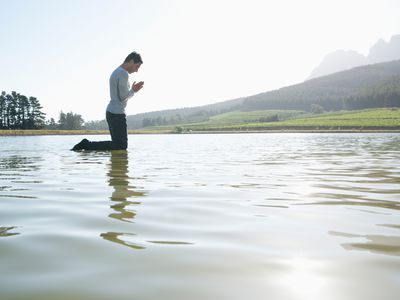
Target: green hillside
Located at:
point(364, 119)
point(370, 86)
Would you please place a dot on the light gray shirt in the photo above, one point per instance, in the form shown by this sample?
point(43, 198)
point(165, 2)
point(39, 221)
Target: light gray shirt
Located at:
point(120, 91)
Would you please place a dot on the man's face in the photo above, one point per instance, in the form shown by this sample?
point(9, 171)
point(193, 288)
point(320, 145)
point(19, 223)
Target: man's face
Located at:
point(133, 67)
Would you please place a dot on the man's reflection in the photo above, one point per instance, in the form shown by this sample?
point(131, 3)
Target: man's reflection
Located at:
point(122, 207)
point(119, 180)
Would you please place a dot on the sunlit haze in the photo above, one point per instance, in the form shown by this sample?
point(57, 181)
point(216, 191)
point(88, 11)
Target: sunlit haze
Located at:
point(194, 52)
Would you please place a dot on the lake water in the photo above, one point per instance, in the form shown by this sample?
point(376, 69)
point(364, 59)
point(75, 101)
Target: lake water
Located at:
point(190, 217)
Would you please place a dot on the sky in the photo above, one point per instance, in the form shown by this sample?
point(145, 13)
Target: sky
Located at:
point(194, 52)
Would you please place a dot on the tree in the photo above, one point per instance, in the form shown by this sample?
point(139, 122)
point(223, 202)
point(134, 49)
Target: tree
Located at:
point(316, 109)
point(70, 121)
point(51, 124)
point(23, 111)
point(2, 109)
point(36, 116)
point(271, 118)
point(62, 121)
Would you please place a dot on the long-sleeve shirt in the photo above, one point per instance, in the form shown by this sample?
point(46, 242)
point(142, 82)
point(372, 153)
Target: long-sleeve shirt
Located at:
point(120, 91)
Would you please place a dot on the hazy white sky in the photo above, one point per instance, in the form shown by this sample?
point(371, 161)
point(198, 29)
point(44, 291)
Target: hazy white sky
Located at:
point(194, 52)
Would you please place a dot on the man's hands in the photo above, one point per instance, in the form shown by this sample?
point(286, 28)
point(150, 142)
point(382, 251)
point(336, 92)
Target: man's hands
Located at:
point(137, 86)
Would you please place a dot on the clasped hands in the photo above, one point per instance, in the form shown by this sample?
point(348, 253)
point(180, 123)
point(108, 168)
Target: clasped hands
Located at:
point(137, 86)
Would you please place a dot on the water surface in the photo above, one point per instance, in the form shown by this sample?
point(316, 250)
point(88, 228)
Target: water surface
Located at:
point(241, 216)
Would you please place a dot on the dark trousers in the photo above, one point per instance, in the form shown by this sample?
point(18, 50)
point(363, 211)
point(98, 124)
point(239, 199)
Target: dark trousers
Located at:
point(119, 134)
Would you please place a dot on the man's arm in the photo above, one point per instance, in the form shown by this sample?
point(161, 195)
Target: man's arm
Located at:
point(124, 92)
point(123, 87)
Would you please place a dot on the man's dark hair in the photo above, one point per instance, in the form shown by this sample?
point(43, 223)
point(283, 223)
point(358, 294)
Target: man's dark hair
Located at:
point(135, 56)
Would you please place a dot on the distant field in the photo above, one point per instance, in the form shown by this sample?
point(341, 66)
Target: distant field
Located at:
point(74, 132)
point(367, 118)
point(243, 117)
point(364, 119)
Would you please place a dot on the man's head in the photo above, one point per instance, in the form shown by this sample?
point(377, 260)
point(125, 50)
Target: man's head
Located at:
point(132, 62)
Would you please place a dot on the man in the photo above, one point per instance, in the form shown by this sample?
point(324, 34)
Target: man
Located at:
point(120, 93)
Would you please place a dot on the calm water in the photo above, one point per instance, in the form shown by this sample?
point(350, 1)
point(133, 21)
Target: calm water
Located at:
point(220, 217)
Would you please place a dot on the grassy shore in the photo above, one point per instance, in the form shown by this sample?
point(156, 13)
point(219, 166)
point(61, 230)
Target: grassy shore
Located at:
point(289, 121)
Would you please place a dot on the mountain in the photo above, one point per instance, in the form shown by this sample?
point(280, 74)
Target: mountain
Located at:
point(383, 51)
point(343, 60)
point(337, 61)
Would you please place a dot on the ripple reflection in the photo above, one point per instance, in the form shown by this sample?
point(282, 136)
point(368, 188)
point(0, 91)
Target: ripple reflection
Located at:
point(5, 231)
point(115, 237)
point(382, 244)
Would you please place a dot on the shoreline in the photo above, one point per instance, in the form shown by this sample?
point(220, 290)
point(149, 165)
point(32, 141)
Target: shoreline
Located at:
point(39, 132)
point(295, 131)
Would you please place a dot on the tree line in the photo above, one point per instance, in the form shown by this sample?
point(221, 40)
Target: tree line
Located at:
point(163, 118)
point(21, 112)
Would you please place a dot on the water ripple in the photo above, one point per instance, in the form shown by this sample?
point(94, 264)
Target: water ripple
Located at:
point(274, 215)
